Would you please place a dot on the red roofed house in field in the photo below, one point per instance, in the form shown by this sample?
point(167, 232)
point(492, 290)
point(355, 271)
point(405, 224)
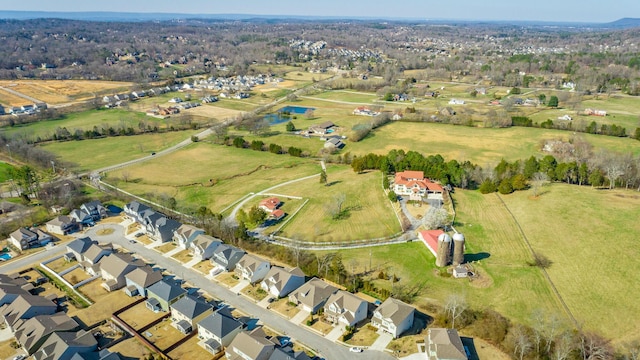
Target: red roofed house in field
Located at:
point(416, 186)
point(277, 214)
point(270, 204)
point(430, 238)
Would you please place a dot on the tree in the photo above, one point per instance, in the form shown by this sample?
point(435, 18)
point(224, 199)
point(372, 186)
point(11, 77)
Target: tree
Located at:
point(256, 215)
point(563, 346)
point(594, 347)
point(309, 114)
point(392, 196)
point(290, 126)
point(538, 180)
point(518, 182)
point(521, 342)
point(505, 186)
point(323, 177)
point(454, 307)
point(487, 186)
point(435, 218)
point(553, 101)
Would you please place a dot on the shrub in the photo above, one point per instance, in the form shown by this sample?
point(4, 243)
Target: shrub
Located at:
point(487, 187)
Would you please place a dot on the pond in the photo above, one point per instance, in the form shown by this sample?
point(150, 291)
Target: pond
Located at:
point(285, 114)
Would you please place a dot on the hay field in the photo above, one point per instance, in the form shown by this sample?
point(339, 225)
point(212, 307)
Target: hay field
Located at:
point(93, 154)
point(369, 213)
point(8, 99)
point(591, 237)
point(234, 173)
point(62, 91)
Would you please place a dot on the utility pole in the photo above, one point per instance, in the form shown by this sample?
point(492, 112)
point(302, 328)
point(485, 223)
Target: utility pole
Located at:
point(9, 148)
point(53, 165)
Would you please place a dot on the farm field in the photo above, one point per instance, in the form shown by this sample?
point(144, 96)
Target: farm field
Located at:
point(233, 173)
point(590, 237)
point(348, 96)
point(368, 212)
point(9, 99)
point(507, 283)
point(113, 150)
point(61, 91)
point(5, 171)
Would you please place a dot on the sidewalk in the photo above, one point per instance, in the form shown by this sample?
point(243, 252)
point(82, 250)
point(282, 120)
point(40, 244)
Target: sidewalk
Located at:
point(300, 317)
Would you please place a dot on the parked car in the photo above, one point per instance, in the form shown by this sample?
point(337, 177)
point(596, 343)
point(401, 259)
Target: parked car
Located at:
point(19, 357)
point(355, 349)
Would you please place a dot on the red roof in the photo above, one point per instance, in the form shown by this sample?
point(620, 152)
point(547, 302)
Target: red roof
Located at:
point(277, 214)
point(270, 203)
point(430, 238)
point(411, 178)
point(434, 187)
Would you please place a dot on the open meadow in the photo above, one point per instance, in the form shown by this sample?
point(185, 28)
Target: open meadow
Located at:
point(590, 236)
point(113, 150)
point(367, 211)
point(213, 175)
point(63, 91)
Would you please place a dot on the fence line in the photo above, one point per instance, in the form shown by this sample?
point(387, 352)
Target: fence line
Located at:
point(63, 280)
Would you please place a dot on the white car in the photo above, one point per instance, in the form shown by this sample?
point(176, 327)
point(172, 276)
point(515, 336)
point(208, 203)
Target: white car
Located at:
point(19, 357)
point(215, 271)
point(355, 349)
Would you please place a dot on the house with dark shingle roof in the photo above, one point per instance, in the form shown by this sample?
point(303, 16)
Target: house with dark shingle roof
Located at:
point(62, 225)
point(25, 307)
point(139, 279)
point(77, 247)
point(312, 295)
point(288, 354)
point(32, 333)
point(203, 246)
point(227, 256)
point(187, 312)
point(252, 268)
point(163, 294)
point(217, 330)
point(95, 209)
point(25, 238)
point(185, 234)
point(135, 210)
point(9, 292)
point(65, 345)
point(393, 316)
point(163, 228)
point(280, 282)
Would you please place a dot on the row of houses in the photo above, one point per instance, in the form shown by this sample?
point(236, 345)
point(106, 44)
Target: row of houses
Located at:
point(86, 215)
point(117, 99)
point(24, 109)
point(41, 329)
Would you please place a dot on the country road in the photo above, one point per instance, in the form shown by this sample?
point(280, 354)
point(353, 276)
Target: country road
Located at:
point(27, 97)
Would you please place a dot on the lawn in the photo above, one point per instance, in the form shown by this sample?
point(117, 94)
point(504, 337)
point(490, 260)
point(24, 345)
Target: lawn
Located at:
point(60, 264)
point(183, 256)
point(105, 303)
point(163, 334)
point(570, 225)
point(76, 276)
point(190, 350)
point(228, 279)
point(165, 248)
point(139, 316)
point(131, 349)
point(321, 326)
point(255, 292)
point(113, 150)
point(203, 266)
point(5, 171)
point(284, 308)
point(366, 210)
point(213, 175)
point(348, 96)
point(365, 335)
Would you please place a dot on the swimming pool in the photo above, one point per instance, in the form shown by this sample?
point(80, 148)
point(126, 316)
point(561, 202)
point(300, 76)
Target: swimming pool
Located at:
point(5, 256)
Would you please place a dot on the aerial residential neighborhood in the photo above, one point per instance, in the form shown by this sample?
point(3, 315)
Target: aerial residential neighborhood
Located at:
point(275, 181)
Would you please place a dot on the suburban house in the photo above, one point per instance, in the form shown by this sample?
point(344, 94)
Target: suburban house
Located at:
point(77, 247)
point(82, 217)
point(444, 344)
point(250, 345)
point(271, 204)
point(217, 330)
point(252, 268)
point(321, 129)
point(280, 282)
point(227, 256)
point(162, 229)
point(187, 312)
point(135, 210)
point(277, 215)
point(67, 346)
point(345, 308)
point(114, 268)
point(312, 295)
point(393, 316)
point(25, 307)
point(430, 238)
point(32, 333)
point(92, 257)
point(9, 292)
point(25, 238)
point(416, 186)
point(94, 209)
point(456, 102)
point(203, 246)
point(287, 353)
point(185, 234)
point(139, 279)
point(163, 294)
point(62, 225)
point(365, 111)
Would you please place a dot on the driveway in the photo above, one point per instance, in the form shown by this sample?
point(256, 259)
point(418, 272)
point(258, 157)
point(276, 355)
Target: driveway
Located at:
point(300, 317)
point(335, 334)
point(381, 342)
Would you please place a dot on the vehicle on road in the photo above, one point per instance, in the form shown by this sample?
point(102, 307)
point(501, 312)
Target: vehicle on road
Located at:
point(153, 153)
point(132, 241)
point(19, 357)
point(355, 349)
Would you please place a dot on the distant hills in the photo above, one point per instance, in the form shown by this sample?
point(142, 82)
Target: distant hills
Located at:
point(624, 23)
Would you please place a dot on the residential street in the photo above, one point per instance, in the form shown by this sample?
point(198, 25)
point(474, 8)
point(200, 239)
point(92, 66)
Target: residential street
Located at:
point(323, 346)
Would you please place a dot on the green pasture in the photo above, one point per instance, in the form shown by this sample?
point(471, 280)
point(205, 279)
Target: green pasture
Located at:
point(5, 171)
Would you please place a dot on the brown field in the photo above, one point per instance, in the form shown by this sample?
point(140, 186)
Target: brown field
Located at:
point(183, 256)
point(282, 307)
point(163, 334)
point(131, 348)
point(321, 326)
point(365, 335)
point(6, 351)
point(60, 264)
point(228, 279)
point(212, 111)
point(61, 91)
point(165, 248)
point(203, 266)
point(9, 99)
point(190, 350)
point(139, 316)
point(76, 276)
point(104, 305)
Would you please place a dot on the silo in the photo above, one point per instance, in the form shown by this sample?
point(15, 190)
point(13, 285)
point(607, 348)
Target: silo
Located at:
point(458, 249)
point(444, 250)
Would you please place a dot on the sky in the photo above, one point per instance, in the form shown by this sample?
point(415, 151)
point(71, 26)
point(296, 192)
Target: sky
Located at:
point(600, 11)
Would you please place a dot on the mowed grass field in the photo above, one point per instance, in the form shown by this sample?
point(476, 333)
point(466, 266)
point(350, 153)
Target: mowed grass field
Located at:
point(368, 212)
point(591, 237)
point(62, 91)
point(94, 154)
point(186, 174)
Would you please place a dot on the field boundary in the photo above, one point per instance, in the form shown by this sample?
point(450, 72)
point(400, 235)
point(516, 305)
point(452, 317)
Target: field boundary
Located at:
point(544, 271)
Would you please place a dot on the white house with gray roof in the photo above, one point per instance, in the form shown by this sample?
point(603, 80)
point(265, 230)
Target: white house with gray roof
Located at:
point(444, 344)
point(312, 295)
point(252, 268)
point(138, 280)
point(227, 256)
point(187, 312)
point(393, 316)
point(250, 345)
point(203, 246)
point(280, 282)
point(345, 308)
point(217, 330)
point(185, 234)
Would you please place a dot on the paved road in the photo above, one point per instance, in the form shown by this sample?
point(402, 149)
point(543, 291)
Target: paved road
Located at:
point(27, 261)
point(324, 347)
point(11, 91)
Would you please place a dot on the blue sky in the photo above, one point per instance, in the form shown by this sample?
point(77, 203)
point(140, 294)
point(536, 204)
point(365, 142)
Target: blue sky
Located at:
point(558, 10)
